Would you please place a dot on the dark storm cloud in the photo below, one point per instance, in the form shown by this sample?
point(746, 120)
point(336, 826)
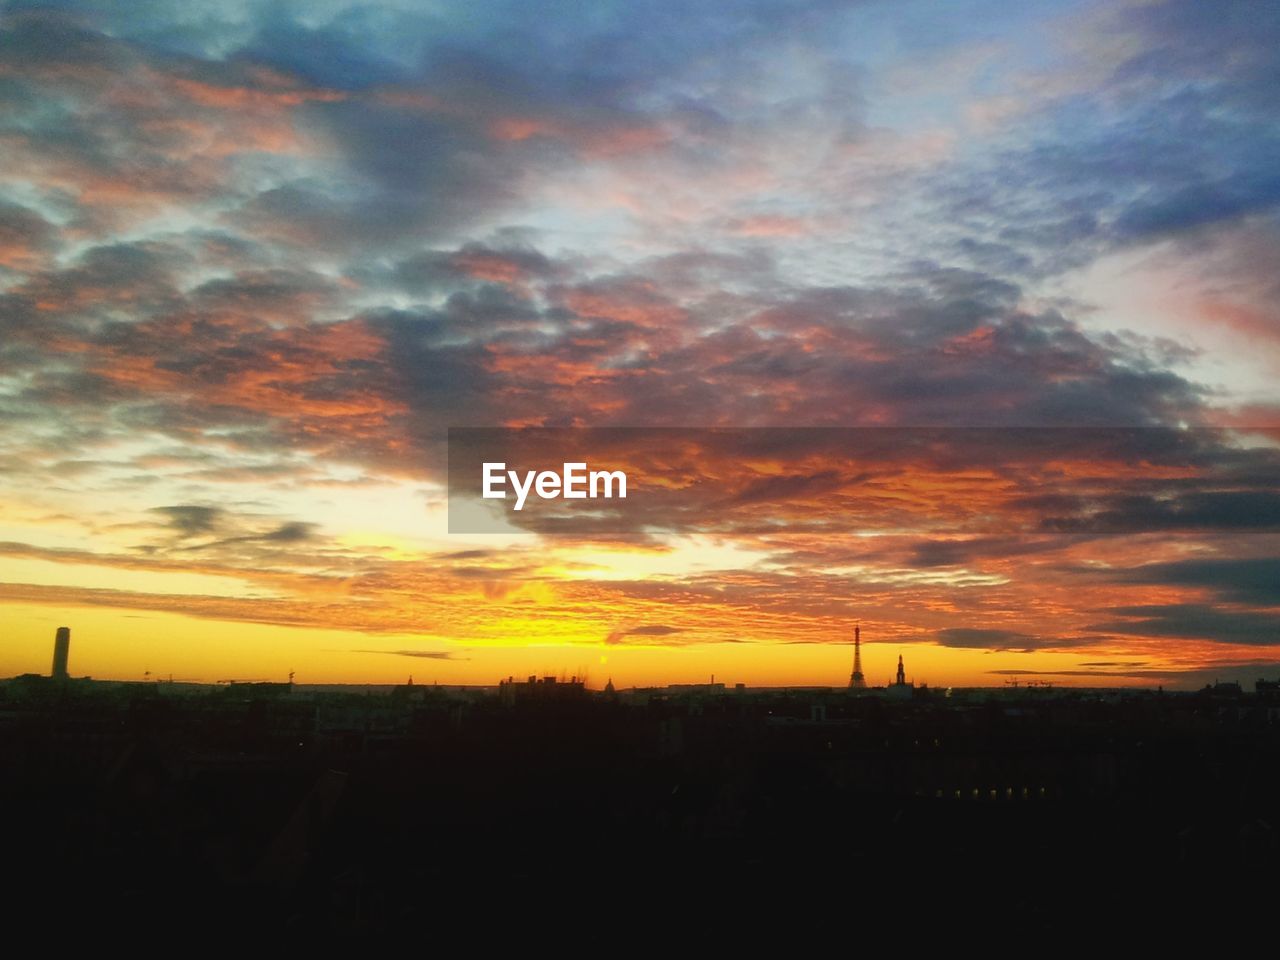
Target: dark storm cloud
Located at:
point(1249, 580)
point(1202, 204)
point(978, 638)
point(1196, 621)
point(951, 553)
point(1245, 511)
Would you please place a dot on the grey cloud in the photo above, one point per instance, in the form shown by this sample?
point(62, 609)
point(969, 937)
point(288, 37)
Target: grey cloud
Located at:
point(190, 520)
point(993, 639)
point(1250, 580)
point(1194, 621)
point(621, 634)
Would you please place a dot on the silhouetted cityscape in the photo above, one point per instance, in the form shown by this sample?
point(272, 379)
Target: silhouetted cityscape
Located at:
point(355, 809)
point(589, 473)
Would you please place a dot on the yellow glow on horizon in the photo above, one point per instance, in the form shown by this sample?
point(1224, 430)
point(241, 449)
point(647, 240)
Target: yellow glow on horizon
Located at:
point(110, 643)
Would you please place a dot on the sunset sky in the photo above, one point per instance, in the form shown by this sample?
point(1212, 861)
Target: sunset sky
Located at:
point(256, 258)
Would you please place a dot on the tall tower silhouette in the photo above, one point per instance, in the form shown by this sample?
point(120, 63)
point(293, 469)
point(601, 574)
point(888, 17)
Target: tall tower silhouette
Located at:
point(856, 680)
point(61, 650)
point(902, 674)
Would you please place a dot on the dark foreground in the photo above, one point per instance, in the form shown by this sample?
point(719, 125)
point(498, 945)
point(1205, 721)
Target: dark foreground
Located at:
point(707, 816)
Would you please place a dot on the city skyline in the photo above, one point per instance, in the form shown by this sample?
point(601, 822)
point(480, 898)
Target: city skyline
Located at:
point(255, 264)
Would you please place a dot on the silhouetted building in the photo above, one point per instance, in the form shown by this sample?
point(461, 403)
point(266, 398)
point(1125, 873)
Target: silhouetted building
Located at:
point(61, 651)
point(900, 688)
point(541, 690)
point(1224, 690)
point(856, 680)
point(1268, 697)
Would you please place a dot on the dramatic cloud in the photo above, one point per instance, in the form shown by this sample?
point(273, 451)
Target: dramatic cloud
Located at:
point(646, 631)
point(984, 639)
point(1251, 580)
point(1197, 621)
point(256, 260)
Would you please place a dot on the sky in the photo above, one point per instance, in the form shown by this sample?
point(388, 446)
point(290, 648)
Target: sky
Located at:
point(257, 258)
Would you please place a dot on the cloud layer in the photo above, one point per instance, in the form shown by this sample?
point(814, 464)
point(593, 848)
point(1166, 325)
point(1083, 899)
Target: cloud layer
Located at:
point(255, 262)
